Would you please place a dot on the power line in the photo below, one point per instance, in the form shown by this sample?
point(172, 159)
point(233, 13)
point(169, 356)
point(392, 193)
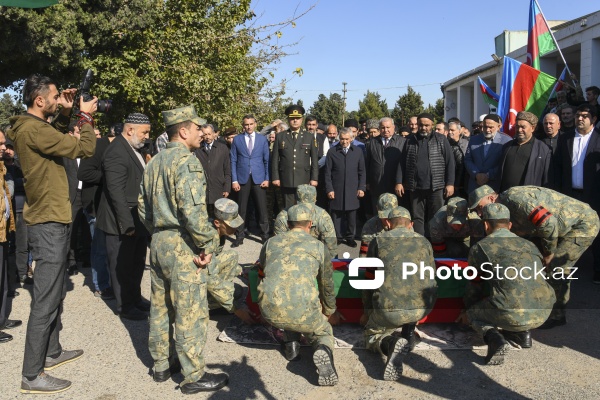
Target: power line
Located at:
point(362, 90)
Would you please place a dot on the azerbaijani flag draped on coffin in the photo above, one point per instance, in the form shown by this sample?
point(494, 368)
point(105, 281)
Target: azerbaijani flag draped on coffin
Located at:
point(540, 40)
point(523, 89)
point(489, 96)
point(28, 3)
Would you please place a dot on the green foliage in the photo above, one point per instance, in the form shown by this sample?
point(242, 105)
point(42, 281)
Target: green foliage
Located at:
point(328, 110)
point(437, 110)
point(372, 107)
point(8, 108)
point(407, 105)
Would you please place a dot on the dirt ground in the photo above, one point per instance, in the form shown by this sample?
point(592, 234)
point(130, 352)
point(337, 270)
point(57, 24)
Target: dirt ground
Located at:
point(563, 363)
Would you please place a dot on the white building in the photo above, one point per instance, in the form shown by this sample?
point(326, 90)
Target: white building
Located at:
point(578, 39)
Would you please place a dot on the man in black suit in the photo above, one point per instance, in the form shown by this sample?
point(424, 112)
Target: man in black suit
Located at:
point(126, 236)
point(214, 157)
point(580, 167)
point(312, 125)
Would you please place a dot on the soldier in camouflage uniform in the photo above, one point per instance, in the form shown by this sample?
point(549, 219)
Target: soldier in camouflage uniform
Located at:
point(322, 226)
point(399, 302)
point(172, 206)
point(288, 298)
point(518, 300)
point(454, 230)
point(374, 226)
point(561, 227)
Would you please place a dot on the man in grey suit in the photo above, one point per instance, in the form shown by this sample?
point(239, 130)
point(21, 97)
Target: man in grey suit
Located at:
point(483, 157)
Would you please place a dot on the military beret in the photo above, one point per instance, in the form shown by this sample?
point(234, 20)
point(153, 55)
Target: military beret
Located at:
point(494, 117)
point(137, 119)
point(295, 111)
point(429, 116)
point(182, 114)
point(495, 211)
point(306, 194)
point(299, 212)
point(372, 124)
point(476, 195)
point(385, 203)
point(227, 211)
point(397, 212)
point(527, 116)
point(457, 211)
point(351, 123)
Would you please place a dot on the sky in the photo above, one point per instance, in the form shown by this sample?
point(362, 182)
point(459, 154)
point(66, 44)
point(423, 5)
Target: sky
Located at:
point(384, 46)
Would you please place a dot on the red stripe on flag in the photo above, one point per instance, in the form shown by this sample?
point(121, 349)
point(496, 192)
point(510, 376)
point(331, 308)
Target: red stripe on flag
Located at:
point(520, 94)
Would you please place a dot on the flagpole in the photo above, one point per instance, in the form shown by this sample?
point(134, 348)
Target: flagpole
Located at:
point(553, 38)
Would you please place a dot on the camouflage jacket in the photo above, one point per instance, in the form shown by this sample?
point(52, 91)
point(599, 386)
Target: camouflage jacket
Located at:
point(504, 249)
point(394, 248)
point(371, 229)
point(440, 230)
point(543, 213)
point(289, 264)
point(173, 196)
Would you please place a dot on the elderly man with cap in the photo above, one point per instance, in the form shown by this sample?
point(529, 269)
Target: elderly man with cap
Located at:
point(454, 230)
point(560, 226)
point(373, 128)
point(403, 299)
point(294, 160)
point(288, 298)
point(427, 175)
point(322, 227)
point(525, 160)
point(482, 158)
point(374, 226)
point(518, 300)
point(172, 204)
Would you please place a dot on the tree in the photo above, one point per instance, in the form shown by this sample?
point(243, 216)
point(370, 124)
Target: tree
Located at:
point(328, 110)
point(437, 111)
point(372, 107)
point(8, 108)
point(407, 105)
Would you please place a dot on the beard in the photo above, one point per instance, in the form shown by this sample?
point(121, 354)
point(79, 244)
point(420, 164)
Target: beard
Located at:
point(136, 142)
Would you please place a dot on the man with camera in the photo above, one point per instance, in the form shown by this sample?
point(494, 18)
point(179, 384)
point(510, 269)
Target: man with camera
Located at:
point(41, 146)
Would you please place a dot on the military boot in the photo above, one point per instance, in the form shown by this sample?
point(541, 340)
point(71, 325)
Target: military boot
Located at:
point(408, 333)
point(497, 347)
point(323, 359)
point(395, 348)
point(523, 338)
point(292, 350)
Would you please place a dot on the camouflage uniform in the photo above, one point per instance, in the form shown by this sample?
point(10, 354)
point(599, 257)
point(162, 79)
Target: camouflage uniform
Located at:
point(172, 206)
point(322, 226)
point(287, 295)
point(373, 227)
point(514, 305)
point(451, 243)
point(398, 301)
point(557, 224)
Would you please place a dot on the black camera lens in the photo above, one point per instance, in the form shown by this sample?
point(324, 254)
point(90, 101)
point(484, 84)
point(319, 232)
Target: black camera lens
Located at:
point(104, 106)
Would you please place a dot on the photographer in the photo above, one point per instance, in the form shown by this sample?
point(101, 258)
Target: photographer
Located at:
point(41, 146)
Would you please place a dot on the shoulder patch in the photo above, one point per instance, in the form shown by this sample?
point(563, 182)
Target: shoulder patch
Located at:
point(195, 167)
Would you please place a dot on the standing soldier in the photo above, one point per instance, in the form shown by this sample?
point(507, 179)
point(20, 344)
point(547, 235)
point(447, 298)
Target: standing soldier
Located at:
point(172, 204)
point(322, 227)
point(562, 228)
point(401, 301)
point(288, 298)
point(294, 159)
point(514, 305)
point(374, 226)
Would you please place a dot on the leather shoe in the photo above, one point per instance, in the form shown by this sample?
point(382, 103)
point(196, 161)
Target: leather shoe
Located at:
point(12, 323)
point(162, 376)
point(13, 293)
point(5, 337)
point(350, 243)
point(292, 351)
point(553, 323)
point(237, 242)
point(523, 338)
point(134, 314)
point(208, 383)
point(143, 305)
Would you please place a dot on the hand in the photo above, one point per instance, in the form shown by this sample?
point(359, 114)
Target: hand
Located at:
point(360, 194)
point(66, 99)
point(364, 319)
point(247, 316)
point(399, 190)
point(336, 318)
point(448, 191)
point(264, 184)
point(481, 179)
point(331, 195)
point(202, 260)
point(547, 259)
point(276, 183)
point(313, 183)
point(89, 107)
point(225, 194)
point(235, 186)
point(462, 318)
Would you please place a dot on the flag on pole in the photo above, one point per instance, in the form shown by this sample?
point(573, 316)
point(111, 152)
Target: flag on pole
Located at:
point(523, 89)
point(28, 3)
point(540, 40)
point(489, 96)
point(559, 83)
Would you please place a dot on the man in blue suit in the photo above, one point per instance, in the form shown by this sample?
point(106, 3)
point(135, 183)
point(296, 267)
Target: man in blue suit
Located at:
point(483, 157)
point(250, 175)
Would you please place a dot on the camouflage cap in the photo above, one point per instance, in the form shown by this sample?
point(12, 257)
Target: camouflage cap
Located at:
point(398, 212)
point(182, 114)
point(299, 212)
point(227, 211)
point(476, 195)
point(457, 211)
point(306, 194)
point(385, 203)
point(495, 211)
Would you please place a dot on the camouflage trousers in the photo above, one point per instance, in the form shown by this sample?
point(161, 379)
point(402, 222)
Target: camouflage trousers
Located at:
point(485, 316)
point(383, 323)
point(316, 329)
point(179, 309)
point(226, 267)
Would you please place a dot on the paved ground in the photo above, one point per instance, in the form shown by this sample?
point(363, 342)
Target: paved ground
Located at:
point(563, 363)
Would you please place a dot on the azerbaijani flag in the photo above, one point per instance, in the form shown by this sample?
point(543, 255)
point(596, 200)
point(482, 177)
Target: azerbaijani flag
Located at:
point(523, 89)
point(28, 3)
point(489, 96)
point(540, 40)
point(559, 83)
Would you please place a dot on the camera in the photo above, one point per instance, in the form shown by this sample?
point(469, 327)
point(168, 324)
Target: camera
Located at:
point(104, 106)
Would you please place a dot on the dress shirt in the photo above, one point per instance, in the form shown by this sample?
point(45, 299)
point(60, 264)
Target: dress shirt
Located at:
point(580, 144)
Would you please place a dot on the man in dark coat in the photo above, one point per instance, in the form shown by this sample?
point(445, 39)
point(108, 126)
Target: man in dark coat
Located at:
point(345, 183)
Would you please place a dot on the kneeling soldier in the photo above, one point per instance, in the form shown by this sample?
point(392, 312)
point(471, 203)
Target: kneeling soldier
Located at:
point(374, 226)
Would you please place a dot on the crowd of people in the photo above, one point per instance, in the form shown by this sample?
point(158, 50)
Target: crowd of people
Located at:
point(74, 198)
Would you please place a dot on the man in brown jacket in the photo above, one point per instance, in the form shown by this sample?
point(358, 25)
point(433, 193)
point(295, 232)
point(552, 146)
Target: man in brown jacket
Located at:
point(41, 146)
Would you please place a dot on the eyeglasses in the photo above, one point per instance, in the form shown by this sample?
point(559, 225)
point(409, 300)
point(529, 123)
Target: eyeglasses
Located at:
point(583, 116)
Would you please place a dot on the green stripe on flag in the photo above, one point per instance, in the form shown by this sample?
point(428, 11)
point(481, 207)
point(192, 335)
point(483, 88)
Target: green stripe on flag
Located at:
point(546, 43)
point(540, 93)
point(28, 3)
